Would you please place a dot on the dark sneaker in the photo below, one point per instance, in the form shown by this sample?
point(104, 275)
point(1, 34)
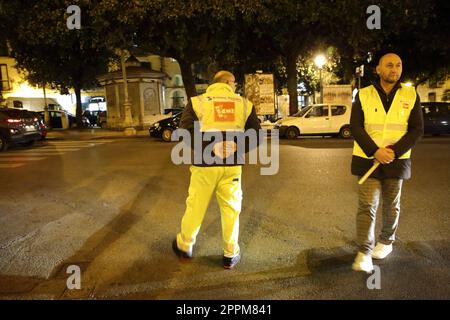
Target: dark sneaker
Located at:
point(229, 263)
point(180, 253)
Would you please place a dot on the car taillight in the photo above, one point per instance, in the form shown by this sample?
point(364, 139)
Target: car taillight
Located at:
point(13, 120)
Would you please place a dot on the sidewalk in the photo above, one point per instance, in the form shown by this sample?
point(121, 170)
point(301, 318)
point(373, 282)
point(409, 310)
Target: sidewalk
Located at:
point(89, 134)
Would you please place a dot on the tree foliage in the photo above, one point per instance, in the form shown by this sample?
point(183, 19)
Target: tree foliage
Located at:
point(279, 36)
point(51, 53)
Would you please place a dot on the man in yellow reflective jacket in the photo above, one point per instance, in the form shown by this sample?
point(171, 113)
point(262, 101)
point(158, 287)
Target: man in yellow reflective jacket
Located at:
point(386, 123)
point(216, 170)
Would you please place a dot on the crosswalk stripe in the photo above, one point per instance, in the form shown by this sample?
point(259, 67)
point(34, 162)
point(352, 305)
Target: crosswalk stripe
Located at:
point(78, 141)
point(74, 142)
point(51, 148)
point(14, 154)
point(71, 145)
point(11, 165)
point(18, 159)
point(62, 148)
point(47, 150)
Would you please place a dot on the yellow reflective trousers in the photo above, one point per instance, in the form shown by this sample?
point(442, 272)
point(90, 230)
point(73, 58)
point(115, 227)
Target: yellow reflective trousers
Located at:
point(226, 182)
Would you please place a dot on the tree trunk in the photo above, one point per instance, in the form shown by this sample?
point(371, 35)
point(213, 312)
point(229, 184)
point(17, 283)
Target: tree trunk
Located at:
point(79, 109)
point(188, 78)
point(291, 69)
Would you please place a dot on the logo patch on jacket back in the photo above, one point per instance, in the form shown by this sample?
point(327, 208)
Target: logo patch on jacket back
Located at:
point(224, 111)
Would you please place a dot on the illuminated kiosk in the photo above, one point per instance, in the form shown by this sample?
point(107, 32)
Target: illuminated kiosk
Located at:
point(145, 93)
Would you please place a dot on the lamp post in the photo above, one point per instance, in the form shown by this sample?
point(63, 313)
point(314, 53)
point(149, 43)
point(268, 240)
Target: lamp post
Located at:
point(320, 61)
point(128, 121)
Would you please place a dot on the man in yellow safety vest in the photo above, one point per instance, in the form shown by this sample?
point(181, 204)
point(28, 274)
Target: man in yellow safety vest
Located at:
point(386, 122)
point(218, 111)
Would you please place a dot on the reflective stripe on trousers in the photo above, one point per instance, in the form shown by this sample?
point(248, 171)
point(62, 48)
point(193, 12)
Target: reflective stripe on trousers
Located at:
point(369, 195)
point(226, 182)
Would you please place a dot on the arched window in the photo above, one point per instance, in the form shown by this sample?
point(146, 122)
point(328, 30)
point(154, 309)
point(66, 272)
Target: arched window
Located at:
point(177, 99)
point(177, 81)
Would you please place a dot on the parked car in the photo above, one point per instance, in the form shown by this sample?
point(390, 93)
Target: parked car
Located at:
point(59, 119)
point(173, 110)
point(318, 119)
point(18, 127)
point(42, 127)
point(436, 117)
point(163, 128)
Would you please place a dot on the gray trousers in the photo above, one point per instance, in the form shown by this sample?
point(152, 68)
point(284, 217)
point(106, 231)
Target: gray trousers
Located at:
point(370, 193)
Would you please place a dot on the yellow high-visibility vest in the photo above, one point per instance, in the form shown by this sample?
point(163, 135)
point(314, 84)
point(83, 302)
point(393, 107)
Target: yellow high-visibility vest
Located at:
point(386, 129)
point(220, 109)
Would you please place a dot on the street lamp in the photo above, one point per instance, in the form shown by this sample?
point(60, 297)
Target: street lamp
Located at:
point(128, 121)
point(320, 61)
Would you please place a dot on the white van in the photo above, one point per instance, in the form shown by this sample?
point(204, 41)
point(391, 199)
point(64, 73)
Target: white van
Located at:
point(317, 119)
point(32, 104)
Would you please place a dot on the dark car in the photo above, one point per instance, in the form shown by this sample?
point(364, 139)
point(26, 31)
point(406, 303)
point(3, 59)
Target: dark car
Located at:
point(42, 127)
point(436, 117)
point(18, 127)
point(163, 128)
point(173, 110)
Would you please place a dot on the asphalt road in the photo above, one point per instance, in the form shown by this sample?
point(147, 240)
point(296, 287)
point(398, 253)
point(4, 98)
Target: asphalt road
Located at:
point(112, 207)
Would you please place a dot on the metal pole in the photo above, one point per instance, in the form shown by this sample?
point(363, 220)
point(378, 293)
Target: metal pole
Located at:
point(46, 114)
point(128, 122)
point(321, 85)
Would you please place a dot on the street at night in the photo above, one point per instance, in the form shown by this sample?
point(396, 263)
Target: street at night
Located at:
point(113, 206)
point(220, 159)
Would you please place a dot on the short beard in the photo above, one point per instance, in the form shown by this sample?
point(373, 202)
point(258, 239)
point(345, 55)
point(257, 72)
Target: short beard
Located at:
point(388, 80)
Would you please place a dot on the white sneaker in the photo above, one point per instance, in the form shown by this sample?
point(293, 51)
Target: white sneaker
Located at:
point(363, 262)
point(381, 251)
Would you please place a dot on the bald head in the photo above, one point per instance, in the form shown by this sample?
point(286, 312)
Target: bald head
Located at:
point(389, 68)
point(225, 77)
point(389, 56)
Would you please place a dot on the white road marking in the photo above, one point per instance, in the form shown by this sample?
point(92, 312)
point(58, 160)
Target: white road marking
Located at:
point(19, 159)
point(14, 154)
point(47, 150)
point(51, 148)
point(11, 165)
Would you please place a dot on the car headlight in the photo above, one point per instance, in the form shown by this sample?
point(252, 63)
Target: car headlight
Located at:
point(156, 125)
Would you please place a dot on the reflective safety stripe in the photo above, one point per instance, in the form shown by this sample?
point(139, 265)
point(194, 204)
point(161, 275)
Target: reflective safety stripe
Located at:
point(372, 127)
point(245, 108)
point(200, 103)
point(397, 127)
point(389, 126)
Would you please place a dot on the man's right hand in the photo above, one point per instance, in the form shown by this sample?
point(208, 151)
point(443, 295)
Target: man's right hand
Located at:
point(384, 155)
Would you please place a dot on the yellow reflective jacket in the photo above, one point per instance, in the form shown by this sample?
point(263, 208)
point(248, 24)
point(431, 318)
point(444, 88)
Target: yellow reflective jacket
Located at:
point(386, 129)
point(220, 109)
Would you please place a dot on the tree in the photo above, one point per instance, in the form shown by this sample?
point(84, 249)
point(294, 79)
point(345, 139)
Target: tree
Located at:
point(49, 51)
point(189, 31)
